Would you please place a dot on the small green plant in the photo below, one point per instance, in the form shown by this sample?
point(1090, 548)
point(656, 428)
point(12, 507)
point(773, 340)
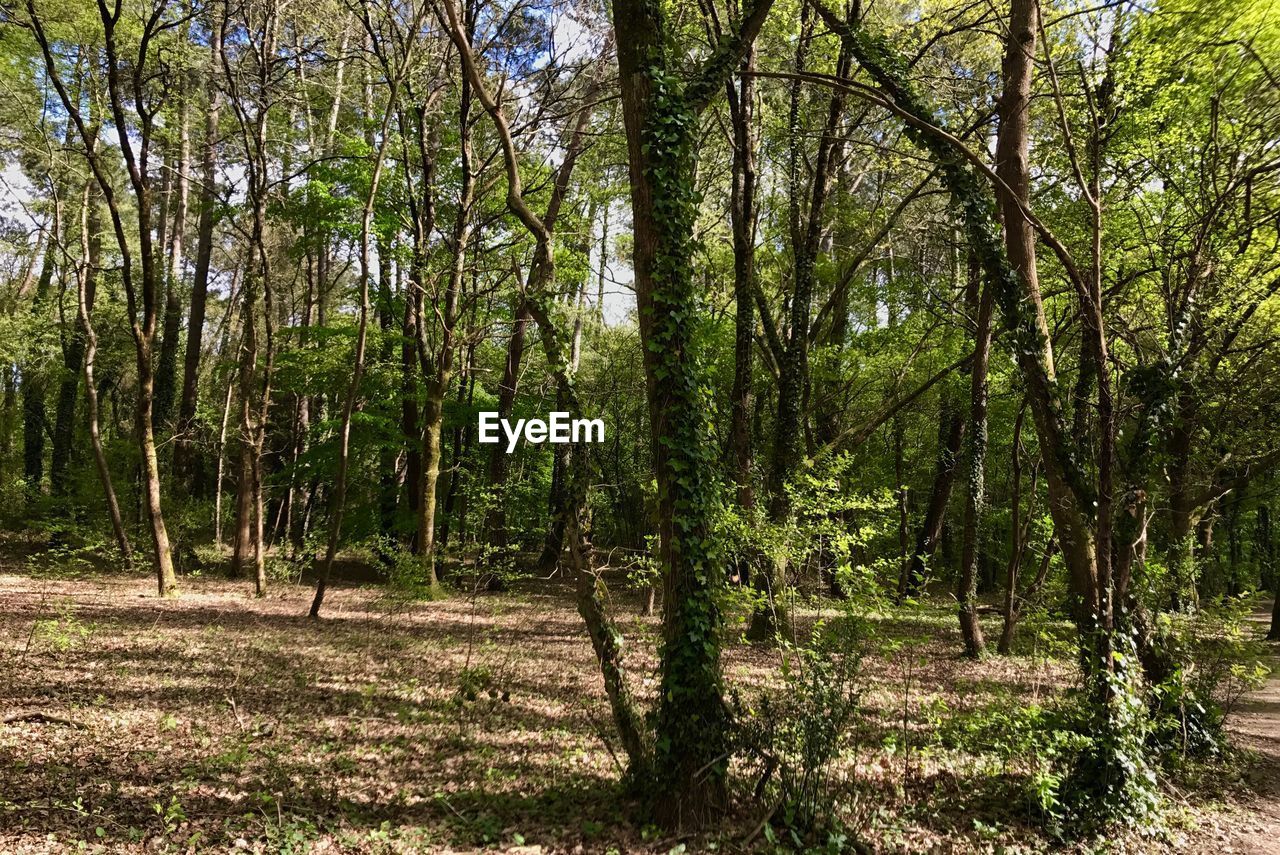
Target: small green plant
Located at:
point(797, 737)
point(63, 633)
point(171, 815)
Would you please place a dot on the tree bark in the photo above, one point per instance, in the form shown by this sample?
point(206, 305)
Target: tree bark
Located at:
point(35, 415)
point(87, 284)
point(691, 721)
point(166, 371)
point(975, 493)
point(499, 460)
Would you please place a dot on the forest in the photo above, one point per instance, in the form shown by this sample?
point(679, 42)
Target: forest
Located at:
point(609, 426)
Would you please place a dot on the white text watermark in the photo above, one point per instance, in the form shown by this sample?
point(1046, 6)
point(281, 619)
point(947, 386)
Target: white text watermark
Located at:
point(557, 428)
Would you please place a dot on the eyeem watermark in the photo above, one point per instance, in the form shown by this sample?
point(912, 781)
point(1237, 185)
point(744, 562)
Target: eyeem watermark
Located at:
point(558, 428)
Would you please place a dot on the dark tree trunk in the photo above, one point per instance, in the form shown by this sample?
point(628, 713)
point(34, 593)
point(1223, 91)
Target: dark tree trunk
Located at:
point(34, 413)
point(184, 448)
point(167, 369)
point(499, 460)
point(73, 361)
point(929, 535)
point(742, 215)
point(691, 722)
point(975, 493)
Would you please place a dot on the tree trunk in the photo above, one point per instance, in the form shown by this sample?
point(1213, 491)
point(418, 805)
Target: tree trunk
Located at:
point(34, 413)
point(73, 356)
point(691, 721)
point(184, 447)
point(950, 442)
point(499, 460)
point(742, 216)
point(966, 596)
point(166, 371)
point(87, 282)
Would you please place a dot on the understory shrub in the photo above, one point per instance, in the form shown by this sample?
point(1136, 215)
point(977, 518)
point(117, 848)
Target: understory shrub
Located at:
point(1217, 663)
point(795, 739)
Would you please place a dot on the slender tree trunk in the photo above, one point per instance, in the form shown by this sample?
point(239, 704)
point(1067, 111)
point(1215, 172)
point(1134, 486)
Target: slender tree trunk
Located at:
point(184, 448)
point(166, 371)
point(966, 596)
point(950, 442)
point(87, 284)
point(34, 413)
point(409, 407)
point(499, 460)
point(73, 356)
point(339, 496)
point(742, 215)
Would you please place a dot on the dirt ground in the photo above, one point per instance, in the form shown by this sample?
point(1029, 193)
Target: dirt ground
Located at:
point(218, 722)
point(1252, 822)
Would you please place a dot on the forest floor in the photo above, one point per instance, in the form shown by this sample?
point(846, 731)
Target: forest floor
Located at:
point(220, 722)
point(1252, 823)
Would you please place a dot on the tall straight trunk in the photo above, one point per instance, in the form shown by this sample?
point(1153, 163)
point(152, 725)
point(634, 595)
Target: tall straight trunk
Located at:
point(35, 415)
point(409, 406)
point(184, 447)
point(742, 216)
point(73, 356)
point(166, 370)
point(388, 484)
point(660, 107)
point(975, 492)
point(252, 106)
point(499, 460)
point(1012, 154)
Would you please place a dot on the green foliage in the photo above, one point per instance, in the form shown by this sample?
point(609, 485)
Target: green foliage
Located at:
point(1218, 663)
point(63, 633)
point(1111, 780)
point(795, 737)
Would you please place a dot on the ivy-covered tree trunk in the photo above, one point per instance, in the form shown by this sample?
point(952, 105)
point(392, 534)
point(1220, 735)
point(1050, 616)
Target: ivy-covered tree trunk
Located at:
point(1121, 766)
point(975, 492)
point(660, 110)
